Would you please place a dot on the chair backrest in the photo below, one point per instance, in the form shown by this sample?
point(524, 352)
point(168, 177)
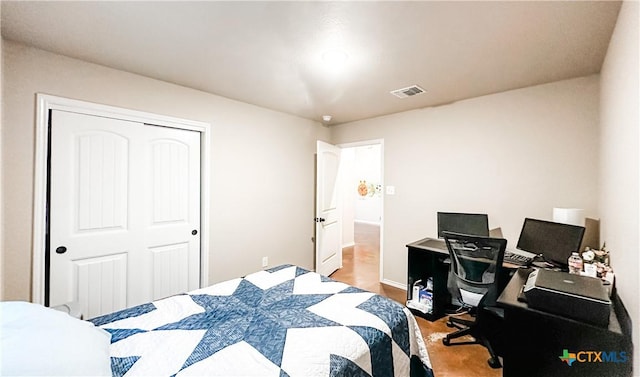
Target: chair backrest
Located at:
point(476, 264)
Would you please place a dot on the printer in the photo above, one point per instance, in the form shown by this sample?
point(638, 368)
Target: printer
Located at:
point(579, 297)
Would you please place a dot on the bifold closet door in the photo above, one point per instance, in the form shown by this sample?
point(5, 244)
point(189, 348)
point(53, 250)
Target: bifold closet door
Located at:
point(124, 212)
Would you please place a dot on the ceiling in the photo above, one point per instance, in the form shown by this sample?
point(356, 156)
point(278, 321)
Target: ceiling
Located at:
point(271, 53)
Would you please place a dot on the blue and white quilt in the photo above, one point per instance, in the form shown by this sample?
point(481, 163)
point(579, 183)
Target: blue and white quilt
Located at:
point(285, 321)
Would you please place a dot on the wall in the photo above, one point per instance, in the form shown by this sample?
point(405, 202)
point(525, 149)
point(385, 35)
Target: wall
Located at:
point(357, 163)
point(262, 163)
point(1, 132)
point(512, 155)
point(368, 208)
point(620, 160)
point(347, 172)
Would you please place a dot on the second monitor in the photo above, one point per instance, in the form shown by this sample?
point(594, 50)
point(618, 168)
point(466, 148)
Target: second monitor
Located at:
point(476, 224)
point(555, 241)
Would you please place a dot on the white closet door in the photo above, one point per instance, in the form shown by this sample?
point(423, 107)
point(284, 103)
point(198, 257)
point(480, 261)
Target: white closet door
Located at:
point(124, 212)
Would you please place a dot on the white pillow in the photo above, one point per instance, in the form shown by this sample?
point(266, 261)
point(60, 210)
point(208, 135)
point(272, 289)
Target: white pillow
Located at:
point(36, 341)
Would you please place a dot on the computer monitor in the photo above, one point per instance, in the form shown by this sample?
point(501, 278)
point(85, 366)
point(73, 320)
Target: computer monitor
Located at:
point(475, 224)
point(555, 241)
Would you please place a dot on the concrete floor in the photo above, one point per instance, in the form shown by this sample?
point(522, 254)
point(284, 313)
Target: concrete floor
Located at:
point(361, 264)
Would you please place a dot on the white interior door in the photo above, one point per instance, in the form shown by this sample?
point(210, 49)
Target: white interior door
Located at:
point(124, 212)
point(328, 214)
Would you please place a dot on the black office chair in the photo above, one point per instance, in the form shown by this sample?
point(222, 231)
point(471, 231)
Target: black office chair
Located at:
point(476, 264)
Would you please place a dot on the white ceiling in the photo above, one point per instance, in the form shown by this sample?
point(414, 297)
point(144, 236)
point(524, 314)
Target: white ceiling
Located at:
point(270, 53)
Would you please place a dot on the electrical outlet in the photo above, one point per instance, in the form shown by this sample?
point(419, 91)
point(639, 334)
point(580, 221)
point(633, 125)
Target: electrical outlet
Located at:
point(265, 261)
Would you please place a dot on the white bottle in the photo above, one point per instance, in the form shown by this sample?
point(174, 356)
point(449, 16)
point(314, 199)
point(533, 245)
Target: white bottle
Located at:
point(415, 294)
point(590, 268)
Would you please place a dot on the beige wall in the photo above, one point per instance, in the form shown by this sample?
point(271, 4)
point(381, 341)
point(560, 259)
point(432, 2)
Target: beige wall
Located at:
point(512, 155)
point(347, 171)
point(1, 132)
point(262, 168)
point(620, 160)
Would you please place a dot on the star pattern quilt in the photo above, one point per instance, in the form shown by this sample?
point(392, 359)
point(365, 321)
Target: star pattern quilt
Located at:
point(285, 321)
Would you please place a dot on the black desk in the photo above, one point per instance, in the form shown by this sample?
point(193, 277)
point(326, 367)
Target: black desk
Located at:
point(429, 258)
point(537, 339)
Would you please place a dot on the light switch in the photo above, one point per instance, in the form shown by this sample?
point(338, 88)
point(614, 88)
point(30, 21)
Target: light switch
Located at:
point(391, 190)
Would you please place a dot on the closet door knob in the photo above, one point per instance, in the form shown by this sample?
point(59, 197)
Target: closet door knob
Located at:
point(194, 232)
point(61, 250)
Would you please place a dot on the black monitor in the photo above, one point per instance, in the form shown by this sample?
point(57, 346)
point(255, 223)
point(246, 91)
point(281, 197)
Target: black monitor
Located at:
point(555, 241)
point(475, 224)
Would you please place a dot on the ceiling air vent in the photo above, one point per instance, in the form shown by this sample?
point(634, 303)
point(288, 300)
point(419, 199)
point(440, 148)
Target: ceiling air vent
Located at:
point(407, 92)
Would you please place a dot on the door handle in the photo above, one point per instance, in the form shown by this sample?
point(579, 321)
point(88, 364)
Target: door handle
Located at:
point(194, 232)
point(61, 250)
point(320, 219)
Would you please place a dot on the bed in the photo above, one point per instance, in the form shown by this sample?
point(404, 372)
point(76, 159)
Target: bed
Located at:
point(285, 321)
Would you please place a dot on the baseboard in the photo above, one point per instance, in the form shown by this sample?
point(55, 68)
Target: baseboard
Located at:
point(394, 284)
point(367, 222)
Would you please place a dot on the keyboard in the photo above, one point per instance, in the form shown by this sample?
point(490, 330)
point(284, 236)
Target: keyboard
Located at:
point(517, 259)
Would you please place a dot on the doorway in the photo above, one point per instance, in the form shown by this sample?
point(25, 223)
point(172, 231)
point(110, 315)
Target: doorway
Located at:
point(362, 219)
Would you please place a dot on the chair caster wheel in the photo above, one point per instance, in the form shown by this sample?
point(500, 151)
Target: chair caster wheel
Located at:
point(450, 324)
point(446, 341)
point(494, 363)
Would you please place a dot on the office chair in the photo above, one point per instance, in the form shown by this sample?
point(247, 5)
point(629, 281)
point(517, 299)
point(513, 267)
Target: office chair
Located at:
point(476, 264)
